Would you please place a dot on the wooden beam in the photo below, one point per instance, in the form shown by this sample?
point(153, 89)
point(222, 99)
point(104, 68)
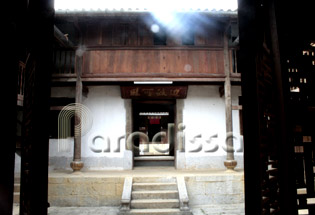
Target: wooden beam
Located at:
point(151, 75)
point(179, 48)
point(126, 79)
point(237, 107)
point(64, 76)
point(62, 38)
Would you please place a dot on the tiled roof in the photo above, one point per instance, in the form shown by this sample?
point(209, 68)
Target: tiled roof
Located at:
point(121, 11)
point(140, 6)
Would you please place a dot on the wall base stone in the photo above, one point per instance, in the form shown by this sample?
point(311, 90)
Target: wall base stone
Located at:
point(216, 189)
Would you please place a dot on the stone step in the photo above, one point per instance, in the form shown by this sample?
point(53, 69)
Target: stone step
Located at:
point(154, 158)
point(16, 197)
point(17, 187)
point(155, 194)
point(154, 186)
point(154, 180)
point(301, 191)
point(303, 211)
point(154, 203)
point(167, 211)
point(153, 163)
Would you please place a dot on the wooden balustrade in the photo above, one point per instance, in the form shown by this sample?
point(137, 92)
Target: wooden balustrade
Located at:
point(20, 85)
point(64, 61)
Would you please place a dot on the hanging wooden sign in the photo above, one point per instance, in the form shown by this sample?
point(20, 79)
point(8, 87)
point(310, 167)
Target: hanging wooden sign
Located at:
point(154, 92)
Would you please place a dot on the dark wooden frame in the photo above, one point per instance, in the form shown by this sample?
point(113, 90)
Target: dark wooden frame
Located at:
point(156, 101)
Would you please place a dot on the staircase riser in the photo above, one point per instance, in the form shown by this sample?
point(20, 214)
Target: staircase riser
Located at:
point(154, 205)
point(154, 195)
point(154, 213)
point(154, 187)
point(153, 163)
point(16, 198)
point(16, 188)
point(154, 180)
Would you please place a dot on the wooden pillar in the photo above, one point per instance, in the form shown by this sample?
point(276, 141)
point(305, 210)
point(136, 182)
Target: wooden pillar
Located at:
point(253, 23)
point(249, 36)
point(229, 163)
point(9, 79)
point(77, 164)
point(35, 143)
point(286, 157)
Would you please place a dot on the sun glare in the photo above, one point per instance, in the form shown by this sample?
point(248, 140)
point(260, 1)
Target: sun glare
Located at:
point(166, 14)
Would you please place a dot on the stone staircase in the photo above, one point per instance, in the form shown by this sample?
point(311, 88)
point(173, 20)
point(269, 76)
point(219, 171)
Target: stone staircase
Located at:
point(16, 194)
point(153, 196)
point(154, 161)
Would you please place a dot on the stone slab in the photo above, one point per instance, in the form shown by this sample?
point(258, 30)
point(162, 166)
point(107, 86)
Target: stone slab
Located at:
point(104, 188)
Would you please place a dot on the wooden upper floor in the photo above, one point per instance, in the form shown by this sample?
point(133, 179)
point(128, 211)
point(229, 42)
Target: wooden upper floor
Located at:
point(139, 47)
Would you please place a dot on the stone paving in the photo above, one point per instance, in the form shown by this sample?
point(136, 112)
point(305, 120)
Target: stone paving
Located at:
point(104, 188)
point(210, 210)
point(222, 208)
point(83, 211)
point(205, 210)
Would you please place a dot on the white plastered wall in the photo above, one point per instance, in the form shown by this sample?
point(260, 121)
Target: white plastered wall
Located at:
point(204, 118)
point(203, 114)
point(99, 144)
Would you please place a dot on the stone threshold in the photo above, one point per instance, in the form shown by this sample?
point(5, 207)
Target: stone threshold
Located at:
point(145, 172)
point(154, 158)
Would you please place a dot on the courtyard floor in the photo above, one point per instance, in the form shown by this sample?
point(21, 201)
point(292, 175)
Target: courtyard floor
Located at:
point(210, 210)
point(226, 209)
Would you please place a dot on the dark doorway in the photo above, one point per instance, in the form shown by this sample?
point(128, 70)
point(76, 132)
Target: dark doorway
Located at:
point(154, 118)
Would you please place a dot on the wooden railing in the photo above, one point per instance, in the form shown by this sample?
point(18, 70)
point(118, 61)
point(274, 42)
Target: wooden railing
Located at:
point(301, 70)
point(64, 61)
point(304, 168)
point(129, 64)
point(21, 83)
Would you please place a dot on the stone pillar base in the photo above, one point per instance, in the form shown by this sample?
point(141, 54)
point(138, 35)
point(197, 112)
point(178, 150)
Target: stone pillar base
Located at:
point(76, 165)
point(230, 164)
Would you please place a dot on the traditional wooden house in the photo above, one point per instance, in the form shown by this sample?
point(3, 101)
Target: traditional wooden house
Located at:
point(151, 93)
point(172, 76)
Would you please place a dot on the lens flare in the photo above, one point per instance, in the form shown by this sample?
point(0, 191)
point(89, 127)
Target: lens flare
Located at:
point(155, 28)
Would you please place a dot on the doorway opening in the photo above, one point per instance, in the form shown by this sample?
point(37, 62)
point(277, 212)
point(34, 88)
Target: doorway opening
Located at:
point(156, 120)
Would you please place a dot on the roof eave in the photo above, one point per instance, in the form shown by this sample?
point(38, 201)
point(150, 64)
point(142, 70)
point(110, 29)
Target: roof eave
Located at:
point(105, 13)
